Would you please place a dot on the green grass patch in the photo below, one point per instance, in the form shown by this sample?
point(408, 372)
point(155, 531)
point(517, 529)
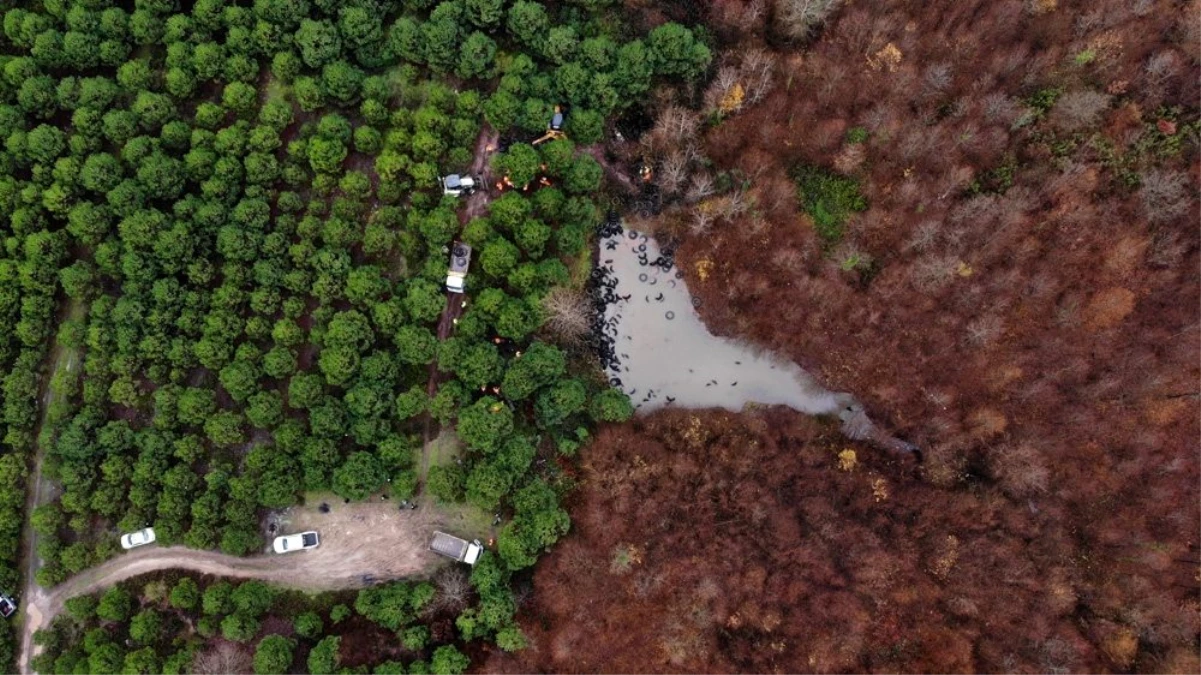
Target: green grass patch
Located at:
point(997, 179)
point(829, 199)
point(857, 135)
point(1042, 100)
point(445, 449)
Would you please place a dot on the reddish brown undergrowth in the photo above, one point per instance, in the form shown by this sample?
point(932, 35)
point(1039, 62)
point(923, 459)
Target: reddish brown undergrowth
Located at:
point(1021, 299)
point(745, 543)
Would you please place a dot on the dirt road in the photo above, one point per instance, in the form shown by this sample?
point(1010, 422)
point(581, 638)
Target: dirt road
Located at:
point(361, 544)
point(476, 205)
point(481, 168)
point(612, 170)
point(41, 490)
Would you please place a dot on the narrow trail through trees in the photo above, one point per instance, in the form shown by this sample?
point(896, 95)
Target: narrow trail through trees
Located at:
point(477, 202)
point(41, 490)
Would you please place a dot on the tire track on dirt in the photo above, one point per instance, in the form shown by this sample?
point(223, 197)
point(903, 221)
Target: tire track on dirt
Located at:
point(40, 490)
point(361, 544)
point(477, 203)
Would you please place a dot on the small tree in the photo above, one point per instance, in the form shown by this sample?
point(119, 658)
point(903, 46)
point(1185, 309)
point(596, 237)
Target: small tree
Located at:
point(359, 476)
point(273, 655)
point(308, 625)
point(448, 660)
point(239, 627)
point(185, 595)
point(324, 657)
point(115, 605)
point(146, 627)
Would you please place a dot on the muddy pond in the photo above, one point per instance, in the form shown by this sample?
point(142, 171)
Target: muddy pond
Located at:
point(663, 355)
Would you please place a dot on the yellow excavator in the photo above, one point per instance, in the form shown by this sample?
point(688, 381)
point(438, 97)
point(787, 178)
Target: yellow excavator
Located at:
point(554, 130)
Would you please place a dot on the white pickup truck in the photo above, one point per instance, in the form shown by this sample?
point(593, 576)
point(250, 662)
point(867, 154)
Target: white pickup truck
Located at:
point(460, 260)
point(296, 542)
point(456, 548)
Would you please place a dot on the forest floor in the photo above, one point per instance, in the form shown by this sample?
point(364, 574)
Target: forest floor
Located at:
point(361, 544)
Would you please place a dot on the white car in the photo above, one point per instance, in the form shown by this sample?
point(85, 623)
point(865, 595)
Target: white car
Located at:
point(136, 539)
point(295, 542)
point(8, 606)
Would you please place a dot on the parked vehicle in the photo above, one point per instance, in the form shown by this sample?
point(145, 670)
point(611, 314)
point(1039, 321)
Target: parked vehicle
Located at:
point(456, 185)
point(554, 130)
point(136, 539)
point(456, 548)
point(8, 606)
point(296, 542)
point(460, 260)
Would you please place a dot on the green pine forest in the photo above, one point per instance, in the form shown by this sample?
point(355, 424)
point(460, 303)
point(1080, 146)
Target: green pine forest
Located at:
point(228, 216)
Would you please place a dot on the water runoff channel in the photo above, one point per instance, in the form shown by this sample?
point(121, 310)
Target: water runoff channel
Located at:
point(656, 349)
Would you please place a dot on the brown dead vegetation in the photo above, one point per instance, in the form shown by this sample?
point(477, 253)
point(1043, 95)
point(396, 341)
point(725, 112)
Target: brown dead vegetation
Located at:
point(748, 543)
point(1036, 336)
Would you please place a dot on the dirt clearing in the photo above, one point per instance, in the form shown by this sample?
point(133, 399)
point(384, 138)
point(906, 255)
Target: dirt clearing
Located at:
point(361, 544)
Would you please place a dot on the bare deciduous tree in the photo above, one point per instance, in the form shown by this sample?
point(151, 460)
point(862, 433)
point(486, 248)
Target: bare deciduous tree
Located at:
point(732, 205)
point(1165, 195)
point(673, 172)
point(702, 220)
point(937, 79)
point(1144, 7)
point(932, 273)
point(1189, 30)
point(924, 236)
point(700, 187)
point(999, 108)
point(674, 126)
point(801, 18)
point(1161, 67)
point(454, 590)
point(790, 260)
point(850, 158)
point(1078, 110)
point(567, 313)
point(721, 95)
point(1090, 21)
point(757, 71)
point(1167, 249)
point(984, 330)
point(224, 659)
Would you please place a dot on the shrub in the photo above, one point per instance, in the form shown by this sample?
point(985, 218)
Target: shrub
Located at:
point(308, 625)
point(829, 199)
point(273, 655)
